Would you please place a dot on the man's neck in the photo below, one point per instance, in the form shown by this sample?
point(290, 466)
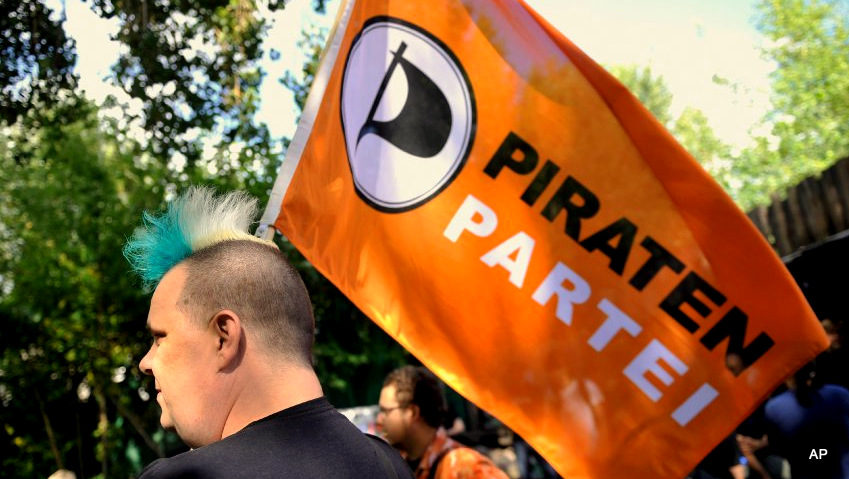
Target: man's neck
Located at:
point(267, 391)
point(418, 441)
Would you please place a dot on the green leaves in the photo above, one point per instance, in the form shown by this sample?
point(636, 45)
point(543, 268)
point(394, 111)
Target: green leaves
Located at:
point(71, 312)
point(36, 59)
point(809, 122)
point(195, 67)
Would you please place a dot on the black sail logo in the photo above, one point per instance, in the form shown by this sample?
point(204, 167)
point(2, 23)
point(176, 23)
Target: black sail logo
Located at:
point(407, 112)
point(423, 125)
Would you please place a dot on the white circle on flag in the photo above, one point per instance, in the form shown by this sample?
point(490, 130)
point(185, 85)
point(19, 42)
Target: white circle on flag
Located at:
point(408, 114)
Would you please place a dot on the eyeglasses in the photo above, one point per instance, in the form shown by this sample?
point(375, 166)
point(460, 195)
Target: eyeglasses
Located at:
point(386, 410)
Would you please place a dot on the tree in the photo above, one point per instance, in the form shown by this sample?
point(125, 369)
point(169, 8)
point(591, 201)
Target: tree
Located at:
point(194, 66)
point(809, 120)
point(36, 59)
point(72, 327)
point(312, 41)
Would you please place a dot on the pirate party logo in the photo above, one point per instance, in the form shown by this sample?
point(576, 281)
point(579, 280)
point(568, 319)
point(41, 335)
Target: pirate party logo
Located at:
point(408, 114)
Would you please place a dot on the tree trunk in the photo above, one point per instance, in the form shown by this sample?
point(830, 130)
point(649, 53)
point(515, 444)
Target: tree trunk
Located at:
point(103, 429)
point(138, 425)
point(51, 437)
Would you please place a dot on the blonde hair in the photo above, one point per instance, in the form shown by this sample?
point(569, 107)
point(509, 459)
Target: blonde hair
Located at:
point(195, 220)
point(227, 268)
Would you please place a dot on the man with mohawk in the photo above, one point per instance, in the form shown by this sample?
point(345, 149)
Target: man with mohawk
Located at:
point(231, 358)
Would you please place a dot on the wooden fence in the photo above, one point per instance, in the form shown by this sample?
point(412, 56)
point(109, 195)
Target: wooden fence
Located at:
point(813, 210)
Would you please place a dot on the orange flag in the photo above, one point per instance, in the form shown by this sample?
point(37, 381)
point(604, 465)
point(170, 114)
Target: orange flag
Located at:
point(511, 214)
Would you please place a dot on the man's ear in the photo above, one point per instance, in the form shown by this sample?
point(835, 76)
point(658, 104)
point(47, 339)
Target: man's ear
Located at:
point(227, 326)
point(415, 411)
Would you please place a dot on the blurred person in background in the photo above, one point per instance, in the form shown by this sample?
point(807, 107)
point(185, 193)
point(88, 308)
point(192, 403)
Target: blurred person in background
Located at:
point(804, 421)
point(412, 409)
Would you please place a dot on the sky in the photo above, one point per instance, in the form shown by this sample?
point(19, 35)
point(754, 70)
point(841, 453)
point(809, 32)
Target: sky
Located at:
point(685, 41)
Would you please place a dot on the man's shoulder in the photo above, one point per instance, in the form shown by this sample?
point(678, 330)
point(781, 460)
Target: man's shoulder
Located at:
point(836, 397)
point(463, 462)
point(325, 446)
point(219, 459)
point(186, 465)
point(389, 458)
point(778, 402)
point(835, 390)
point(466, 455)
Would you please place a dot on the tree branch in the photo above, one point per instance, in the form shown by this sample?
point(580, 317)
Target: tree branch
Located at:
point(51, 437)
point(138, 425)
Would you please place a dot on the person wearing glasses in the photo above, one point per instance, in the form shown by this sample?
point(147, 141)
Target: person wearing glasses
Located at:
point(411, 410)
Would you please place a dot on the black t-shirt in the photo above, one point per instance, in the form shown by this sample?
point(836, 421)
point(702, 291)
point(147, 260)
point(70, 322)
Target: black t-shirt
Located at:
point(309, 440)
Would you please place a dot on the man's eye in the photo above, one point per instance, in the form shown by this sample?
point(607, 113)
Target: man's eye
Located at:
point(157, 338)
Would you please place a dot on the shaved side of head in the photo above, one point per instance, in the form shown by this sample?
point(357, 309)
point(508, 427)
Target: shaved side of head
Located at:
point(258, 283)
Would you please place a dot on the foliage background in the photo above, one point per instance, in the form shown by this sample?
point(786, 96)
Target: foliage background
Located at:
point(75, 179)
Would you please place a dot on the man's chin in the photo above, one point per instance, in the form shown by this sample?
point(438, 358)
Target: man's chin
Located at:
point(166, 422)
point(165, 419)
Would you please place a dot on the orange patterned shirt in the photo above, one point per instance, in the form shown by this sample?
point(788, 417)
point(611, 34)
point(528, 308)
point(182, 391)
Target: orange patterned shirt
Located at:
point(460, 463)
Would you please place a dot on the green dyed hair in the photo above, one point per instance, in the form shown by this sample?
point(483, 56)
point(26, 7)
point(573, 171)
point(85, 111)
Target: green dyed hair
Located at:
point(195, 220)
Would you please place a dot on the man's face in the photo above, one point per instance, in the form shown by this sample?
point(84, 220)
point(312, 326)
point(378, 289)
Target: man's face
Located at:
point(182, 362)
point(393, 418)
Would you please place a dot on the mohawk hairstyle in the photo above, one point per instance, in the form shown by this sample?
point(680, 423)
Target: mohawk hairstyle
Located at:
point(193, 221)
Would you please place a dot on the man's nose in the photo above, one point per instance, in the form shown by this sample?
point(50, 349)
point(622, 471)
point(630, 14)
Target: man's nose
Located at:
point(145, 363)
